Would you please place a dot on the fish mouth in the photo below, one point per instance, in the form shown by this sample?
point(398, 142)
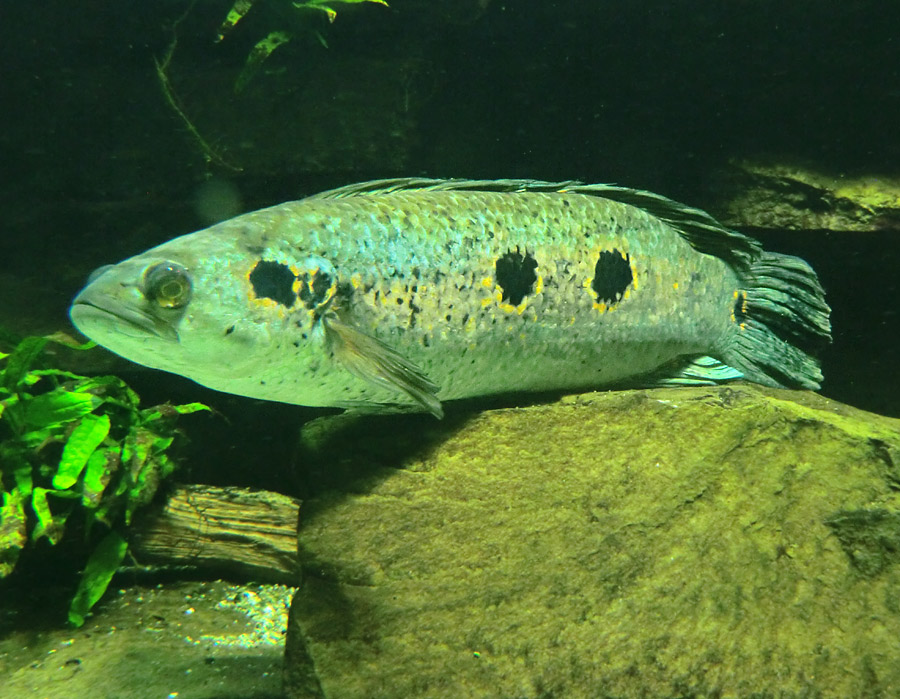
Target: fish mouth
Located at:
point(112, 314)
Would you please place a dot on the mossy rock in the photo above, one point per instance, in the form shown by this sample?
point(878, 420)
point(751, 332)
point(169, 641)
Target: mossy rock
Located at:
point(692, 542)
point(785, 196)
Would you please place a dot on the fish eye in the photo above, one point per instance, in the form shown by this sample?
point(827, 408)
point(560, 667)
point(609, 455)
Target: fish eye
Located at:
point(168, 284)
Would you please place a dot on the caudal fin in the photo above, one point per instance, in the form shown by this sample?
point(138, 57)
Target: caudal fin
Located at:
point(782, 321)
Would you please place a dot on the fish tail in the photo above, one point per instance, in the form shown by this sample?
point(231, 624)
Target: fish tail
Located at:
point(781, 321)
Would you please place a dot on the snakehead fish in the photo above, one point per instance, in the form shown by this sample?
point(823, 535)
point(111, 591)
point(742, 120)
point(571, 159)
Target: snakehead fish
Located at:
point(407, 293)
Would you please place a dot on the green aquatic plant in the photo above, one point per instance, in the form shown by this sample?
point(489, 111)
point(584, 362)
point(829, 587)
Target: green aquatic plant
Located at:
point(76, 449)
point(274, 39)
point(290, 22)
point(241, 7)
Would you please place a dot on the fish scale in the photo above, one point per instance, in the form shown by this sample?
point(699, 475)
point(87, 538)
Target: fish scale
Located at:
point(408, 293)
point(540, 224)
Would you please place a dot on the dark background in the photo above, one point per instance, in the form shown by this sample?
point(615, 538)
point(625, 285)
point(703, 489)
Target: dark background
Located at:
point(96, 166)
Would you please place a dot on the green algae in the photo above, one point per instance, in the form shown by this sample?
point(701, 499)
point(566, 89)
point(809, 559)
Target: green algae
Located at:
point(792, 196)
point(675, 542)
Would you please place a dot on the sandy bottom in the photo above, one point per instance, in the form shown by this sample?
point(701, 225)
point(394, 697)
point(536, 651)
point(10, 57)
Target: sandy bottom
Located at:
point(186, 639)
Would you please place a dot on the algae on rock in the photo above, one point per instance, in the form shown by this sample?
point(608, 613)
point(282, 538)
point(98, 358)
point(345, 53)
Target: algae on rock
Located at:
point(670, 542)
point(783, 196)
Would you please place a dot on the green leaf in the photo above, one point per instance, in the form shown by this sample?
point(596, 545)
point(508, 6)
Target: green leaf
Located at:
point(140, 445)
point(259, 53)
point(324, 5)
point(24, 482)
point(111, 389)
point(188, 408)
point(50, 525)
point(98, 572)
point(13, 536)
point(19, 362)
point(85, 438)
point(100, 467)
point(36, 374)
point(45, 525)
point(62, 338)
point(144, 471)
point(56, 407)
point(147, 483)
point(166, 410)
point(235, 15)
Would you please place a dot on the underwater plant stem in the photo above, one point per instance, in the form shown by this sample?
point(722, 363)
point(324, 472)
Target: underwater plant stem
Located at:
point(162, 67)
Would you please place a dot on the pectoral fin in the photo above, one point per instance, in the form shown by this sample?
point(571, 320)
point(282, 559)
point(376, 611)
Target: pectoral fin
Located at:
point(372, 360)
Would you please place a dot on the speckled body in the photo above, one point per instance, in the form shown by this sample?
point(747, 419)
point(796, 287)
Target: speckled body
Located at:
point(417, 270)
point(422, 267)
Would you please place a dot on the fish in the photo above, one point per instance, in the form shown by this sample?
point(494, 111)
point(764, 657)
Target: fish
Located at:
point(404, 294)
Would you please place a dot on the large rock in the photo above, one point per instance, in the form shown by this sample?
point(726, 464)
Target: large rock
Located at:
point(794, 197)
point(732, 541)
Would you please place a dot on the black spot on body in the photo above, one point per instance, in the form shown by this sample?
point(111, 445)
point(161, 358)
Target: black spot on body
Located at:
point(314, 288)
point(515, 275)
point(344, 290)
point(229, 330)
point(612, 276)
point(740, 307)
point(273, 280)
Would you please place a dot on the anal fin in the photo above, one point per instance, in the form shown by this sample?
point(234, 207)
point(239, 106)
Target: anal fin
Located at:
point(698, 371)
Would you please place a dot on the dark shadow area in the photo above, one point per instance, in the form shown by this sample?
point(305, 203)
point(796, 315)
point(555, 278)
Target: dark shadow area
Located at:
point(861, 276)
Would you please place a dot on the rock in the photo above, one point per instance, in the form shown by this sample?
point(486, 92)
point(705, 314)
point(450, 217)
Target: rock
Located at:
point(723, 541)
point(793, 197)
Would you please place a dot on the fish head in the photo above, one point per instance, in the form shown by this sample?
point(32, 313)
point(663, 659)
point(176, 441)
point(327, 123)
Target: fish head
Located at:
point(250, 307)
point(204, 308)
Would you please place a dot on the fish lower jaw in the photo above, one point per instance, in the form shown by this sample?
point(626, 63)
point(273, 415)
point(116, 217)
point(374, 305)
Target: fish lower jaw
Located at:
point(99, 322)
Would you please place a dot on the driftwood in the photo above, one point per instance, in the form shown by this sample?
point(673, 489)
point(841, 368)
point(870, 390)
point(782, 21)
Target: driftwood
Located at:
point(251, 534)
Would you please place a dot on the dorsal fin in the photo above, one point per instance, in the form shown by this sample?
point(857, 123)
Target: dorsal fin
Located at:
point(700, 229)
point(426, 184)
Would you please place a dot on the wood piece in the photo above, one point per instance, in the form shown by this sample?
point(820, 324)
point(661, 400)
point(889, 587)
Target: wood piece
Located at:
point(251, 534)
